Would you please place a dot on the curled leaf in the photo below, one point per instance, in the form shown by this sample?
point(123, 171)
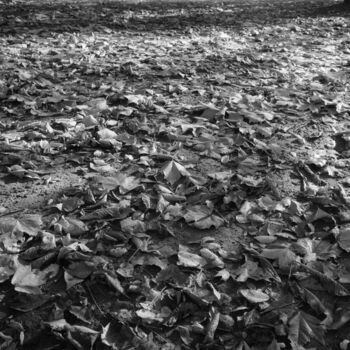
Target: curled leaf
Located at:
point(188, 259)
point(254, 296)
point(212, 258)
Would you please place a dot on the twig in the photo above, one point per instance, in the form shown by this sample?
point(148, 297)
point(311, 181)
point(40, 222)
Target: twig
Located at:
point(93, 298)
point(12, 212)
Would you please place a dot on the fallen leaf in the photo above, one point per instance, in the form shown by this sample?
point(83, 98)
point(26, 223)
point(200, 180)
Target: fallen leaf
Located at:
point(304, 327)
point(29, 281)
point(187, 259)
point(254, 295)
point(29, 224)
point(174, 171)
point(212, 258)
point(73, 226)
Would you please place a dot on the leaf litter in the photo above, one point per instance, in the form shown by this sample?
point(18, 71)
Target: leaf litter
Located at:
point(174, 175)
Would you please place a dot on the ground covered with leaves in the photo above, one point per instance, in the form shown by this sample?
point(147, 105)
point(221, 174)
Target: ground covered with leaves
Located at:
point(174, 175)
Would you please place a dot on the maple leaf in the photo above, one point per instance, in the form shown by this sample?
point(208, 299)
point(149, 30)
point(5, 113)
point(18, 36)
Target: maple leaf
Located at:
point(174, 171)
point(311, 299)
point(201, 217)
point(27, 280)
point(302, 328)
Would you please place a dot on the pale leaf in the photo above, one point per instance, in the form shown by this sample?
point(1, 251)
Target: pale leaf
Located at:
point(254, 295)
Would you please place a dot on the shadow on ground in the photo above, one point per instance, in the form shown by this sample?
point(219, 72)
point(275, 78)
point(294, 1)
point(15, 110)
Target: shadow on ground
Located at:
point(153, 16)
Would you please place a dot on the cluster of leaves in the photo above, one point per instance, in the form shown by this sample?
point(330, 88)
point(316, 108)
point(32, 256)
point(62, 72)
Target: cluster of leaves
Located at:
point(214, 211)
